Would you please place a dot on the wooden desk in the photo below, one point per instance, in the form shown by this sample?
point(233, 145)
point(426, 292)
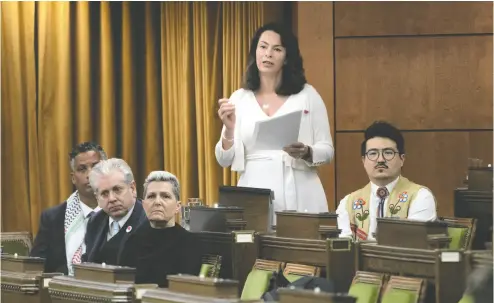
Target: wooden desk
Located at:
point(238, 250)
point(256, 203)
point(301, 251)
point(292, 224)
point(442, 268)
point(476, 204)
point(310, 296)
point(23, 280)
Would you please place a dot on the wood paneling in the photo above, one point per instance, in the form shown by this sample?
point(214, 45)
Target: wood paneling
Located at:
point(416, 83)
point(437, 160)
point(439, 77)
point(315, 35)
point(368, 18)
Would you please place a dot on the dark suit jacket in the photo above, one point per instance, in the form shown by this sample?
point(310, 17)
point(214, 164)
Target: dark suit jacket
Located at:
point(50, 240)
point(96, 231)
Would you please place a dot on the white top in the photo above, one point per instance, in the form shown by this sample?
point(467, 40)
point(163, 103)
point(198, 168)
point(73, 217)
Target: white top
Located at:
point(86, 210)
point(121, 222)
point(423, 208)
point(314, 127)
point(294, 182)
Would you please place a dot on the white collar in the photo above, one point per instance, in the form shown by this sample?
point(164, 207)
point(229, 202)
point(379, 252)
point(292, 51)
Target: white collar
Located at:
point(123, 220)
point(389, 186)
point(86, 210)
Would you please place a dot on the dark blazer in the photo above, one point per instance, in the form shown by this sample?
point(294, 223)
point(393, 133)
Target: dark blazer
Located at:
point(96, 231)
point(50, 240)
point(156, 253)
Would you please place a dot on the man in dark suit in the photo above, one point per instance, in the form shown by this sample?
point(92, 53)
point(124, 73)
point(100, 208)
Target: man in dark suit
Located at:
point(107, 233)
point(60, 238)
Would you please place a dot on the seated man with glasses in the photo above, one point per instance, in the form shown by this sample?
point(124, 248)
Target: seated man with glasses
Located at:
point(388, 194)
point(107, 232)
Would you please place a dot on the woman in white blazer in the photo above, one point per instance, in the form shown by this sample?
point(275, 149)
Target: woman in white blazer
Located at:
point(275, 85)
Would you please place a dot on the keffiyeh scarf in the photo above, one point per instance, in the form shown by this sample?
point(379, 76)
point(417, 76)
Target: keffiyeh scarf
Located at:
point(75, 230)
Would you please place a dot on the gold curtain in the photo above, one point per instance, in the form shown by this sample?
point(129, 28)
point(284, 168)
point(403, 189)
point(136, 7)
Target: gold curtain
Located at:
point(207, 64)
point(218, 37)
point(20, 189)
point(97, 78)
point(240, 22)
point(140, 78)
point(178, 95)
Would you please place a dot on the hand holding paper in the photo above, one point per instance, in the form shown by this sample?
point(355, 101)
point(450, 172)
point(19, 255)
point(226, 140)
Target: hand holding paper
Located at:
point(297, 150)
point(278, 132)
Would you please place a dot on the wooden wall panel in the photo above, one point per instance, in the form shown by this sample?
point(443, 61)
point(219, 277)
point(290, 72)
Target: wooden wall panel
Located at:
point(416, 83)
point(437, 160)
point(350, 171)
point(368, 18)
point(315, 35)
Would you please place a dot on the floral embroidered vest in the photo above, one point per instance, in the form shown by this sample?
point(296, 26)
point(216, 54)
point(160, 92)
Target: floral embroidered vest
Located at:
point(398, 203)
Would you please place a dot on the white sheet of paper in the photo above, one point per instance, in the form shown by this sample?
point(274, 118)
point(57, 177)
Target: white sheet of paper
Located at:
point(277, 132)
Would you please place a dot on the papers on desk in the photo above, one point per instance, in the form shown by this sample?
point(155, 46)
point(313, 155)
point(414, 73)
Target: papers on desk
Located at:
point(277, 132)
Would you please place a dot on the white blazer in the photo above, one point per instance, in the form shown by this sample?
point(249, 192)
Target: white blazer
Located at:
point(314, 132)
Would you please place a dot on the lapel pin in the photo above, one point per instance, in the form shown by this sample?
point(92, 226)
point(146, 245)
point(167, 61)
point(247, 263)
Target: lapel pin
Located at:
point(129, 228)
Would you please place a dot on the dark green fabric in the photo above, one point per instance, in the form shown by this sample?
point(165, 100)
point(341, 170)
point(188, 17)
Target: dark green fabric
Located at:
point(12, 247)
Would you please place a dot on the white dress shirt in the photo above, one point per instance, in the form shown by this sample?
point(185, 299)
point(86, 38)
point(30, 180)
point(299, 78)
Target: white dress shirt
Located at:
point(423, 208)
point(120, 222)
point(86, 210)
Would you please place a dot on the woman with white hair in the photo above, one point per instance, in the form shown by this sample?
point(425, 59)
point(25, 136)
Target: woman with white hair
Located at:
point(161, 247)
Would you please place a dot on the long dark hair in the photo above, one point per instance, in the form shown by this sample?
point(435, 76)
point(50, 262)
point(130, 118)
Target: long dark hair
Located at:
point(293, 77)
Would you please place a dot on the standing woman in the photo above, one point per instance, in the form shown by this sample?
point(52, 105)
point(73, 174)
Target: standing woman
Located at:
point(275, 85)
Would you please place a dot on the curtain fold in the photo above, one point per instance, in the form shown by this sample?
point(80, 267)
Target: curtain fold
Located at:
point(240, 22)
point(21, 200)
point(140, 78)
point(178, 95)
point(206, 36)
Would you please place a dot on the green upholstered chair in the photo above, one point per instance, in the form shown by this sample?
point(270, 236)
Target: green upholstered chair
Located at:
point(404, 290)
point(211, 266)
point(293, 272)
point(19, 243)
point(367, 286)
point(461, 231)
point(458, 236)
point(467, 299)
point(257, 281)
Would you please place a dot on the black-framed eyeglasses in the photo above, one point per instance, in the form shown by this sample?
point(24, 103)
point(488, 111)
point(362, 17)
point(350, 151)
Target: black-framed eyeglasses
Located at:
point(388, 154)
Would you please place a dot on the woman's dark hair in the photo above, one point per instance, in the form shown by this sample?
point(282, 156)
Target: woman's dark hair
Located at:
point(384, 130)
point(293, 77)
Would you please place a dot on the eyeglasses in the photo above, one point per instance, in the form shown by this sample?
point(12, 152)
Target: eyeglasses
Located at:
point(388, 154)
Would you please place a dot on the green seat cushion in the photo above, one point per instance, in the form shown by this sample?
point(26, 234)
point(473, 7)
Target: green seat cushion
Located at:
point(399, 296)
point(13, 247)
point(364, 292)
point(205, 270)
point(457, 235)
point(292, 278)
point(256, 285)
point(467, 299)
